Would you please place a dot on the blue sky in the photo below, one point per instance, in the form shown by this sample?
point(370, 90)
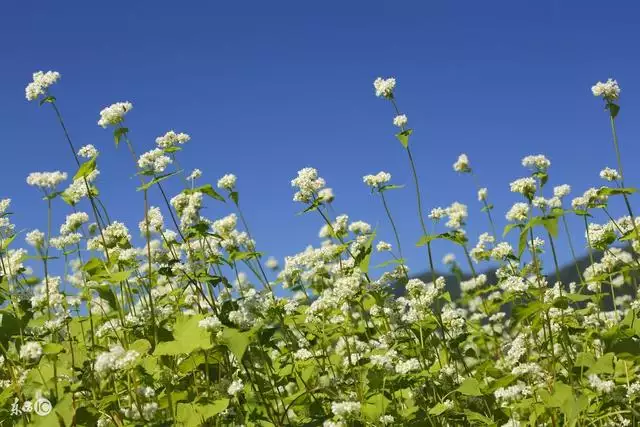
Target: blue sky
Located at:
point(265, 89)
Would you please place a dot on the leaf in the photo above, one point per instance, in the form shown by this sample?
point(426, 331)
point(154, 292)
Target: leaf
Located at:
point(603, 365)
point(439, 409)
point(236, 341)
point(235, 197)
point(508, 228)
point(156, 180)
point(142, 346)
point(188, 336)
point(209, 191)
point(522, 242)
point(365, 254)
point(375, 406)
point(606, 191)
point(474, 416)
point(85, 169)
point(48, 99)
point(470, 387)
point(403, 137)
point(51, 348)
point(118, 134)
point(119, 276)
point(194, 415)
point(614, 109)
point(390, 187)
point(390, 262)
point(551, 225)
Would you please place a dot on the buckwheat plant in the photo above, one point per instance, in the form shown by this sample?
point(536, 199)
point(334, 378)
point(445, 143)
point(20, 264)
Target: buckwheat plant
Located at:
point(181, 319)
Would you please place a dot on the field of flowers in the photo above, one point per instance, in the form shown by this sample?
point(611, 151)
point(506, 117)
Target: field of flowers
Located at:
point(181, 325)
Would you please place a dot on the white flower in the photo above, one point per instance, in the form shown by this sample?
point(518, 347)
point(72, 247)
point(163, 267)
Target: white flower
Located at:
point(303, 354)
point(40, 84)
point(536, 162)
point(197, 173)
point(308, 183)
point(114, 114)
point(235, 387)
point(501, 251)
point(482, 194)
point(271, 263)
point(400, 120)
point(154, 161)
point(384, 87)
point(31, 351)
point(383, 246)
point(609, 90)
point(462, 164)
point(345, 409)
point(518, 212)
point(377, 180)
point(360, 227)
point(227, 182)
point(35, 238)
point(156, 221)
point(457, 213)
point(561, 190)
point(73, 222)
point(116, 359)
point(449, 259)
point(46, 180)
point(437, 213)
point(326, 195)
point(88, 151)
point(609, 174)
point(601, 386)
point(211, 323)
point(171, 138)
point(66, 240)
point(525, 186)
point(407, 366)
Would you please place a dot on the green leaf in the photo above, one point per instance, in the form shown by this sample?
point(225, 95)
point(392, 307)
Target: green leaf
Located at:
point(375, 406)
point(188, 336)
point(48, 99)
point(235, 197)
point(606, 191)
point(403, 137)
point(522, 242)
point(551, 225)
point(470, 387)
point(85, 169)
point(603, 365)
point(194, 415)
point(479, 418)
point(365, 255)
point(614, 109)
point(118, 134)
point(236, 341)
point(156, 180)
point(119, 276)
point(209, 191)
point(390, 187)
point(439, 409)
point(508, 228)
point(51, 348)
point(390, 262)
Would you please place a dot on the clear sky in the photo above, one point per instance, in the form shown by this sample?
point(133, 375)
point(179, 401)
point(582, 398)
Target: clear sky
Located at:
point(266, 88)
